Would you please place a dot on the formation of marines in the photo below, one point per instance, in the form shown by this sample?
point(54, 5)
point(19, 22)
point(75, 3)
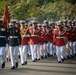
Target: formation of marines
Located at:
point(37, 40)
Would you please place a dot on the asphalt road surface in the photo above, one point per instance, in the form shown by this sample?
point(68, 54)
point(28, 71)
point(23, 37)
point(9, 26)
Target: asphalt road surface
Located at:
point(47, 66)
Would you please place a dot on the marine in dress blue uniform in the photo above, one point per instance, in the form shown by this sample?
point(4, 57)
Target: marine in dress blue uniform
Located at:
point(3, 33)
point(14, 42)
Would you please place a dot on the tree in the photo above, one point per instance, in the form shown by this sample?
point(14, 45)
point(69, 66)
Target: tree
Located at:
point(2, 6)
point(59, 10)
point(43, 9)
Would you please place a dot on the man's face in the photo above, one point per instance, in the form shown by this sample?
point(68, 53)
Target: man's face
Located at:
point(13, 24)
point(65, 24)
point(69, 24)
point(46, 23)
point(35, 25)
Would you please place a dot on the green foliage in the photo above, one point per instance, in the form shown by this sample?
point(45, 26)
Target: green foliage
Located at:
point(43, 9)
point(2, 5)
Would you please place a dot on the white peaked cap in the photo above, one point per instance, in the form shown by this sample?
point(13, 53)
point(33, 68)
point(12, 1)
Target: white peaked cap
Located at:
point(45, 21)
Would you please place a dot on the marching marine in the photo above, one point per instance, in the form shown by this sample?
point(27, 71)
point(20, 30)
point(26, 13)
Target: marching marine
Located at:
point(3, 37)
point(24, 46)
point(33, 40)
point(14, 42)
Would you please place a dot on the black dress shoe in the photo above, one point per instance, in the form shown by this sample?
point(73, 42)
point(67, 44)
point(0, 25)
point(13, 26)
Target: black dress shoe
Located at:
point(54, 53)
point(33, 61)
point(72, 56)
point(68, 57)
point(45, 56)
point(19, 56)
point(22, 64)
point(51, 55)
point(3, 65)
point(13, 67)
point(62, 60)
point(48, 55)
point(41, 57)
point(25, 62)
point(38, 59)
point(75, 55)
point(7, 60)
point(16, 64)
point(59, 61)
point(29, 55)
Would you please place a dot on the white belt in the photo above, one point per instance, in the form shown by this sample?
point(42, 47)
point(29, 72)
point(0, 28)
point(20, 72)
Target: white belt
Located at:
point(35, 35)
point(13, 36)
point(27, 35)
point(2, 36)
point(59, 37)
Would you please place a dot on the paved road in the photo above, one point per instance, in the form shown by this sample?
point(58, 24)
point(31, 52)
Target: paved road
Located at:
point(47, 66)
